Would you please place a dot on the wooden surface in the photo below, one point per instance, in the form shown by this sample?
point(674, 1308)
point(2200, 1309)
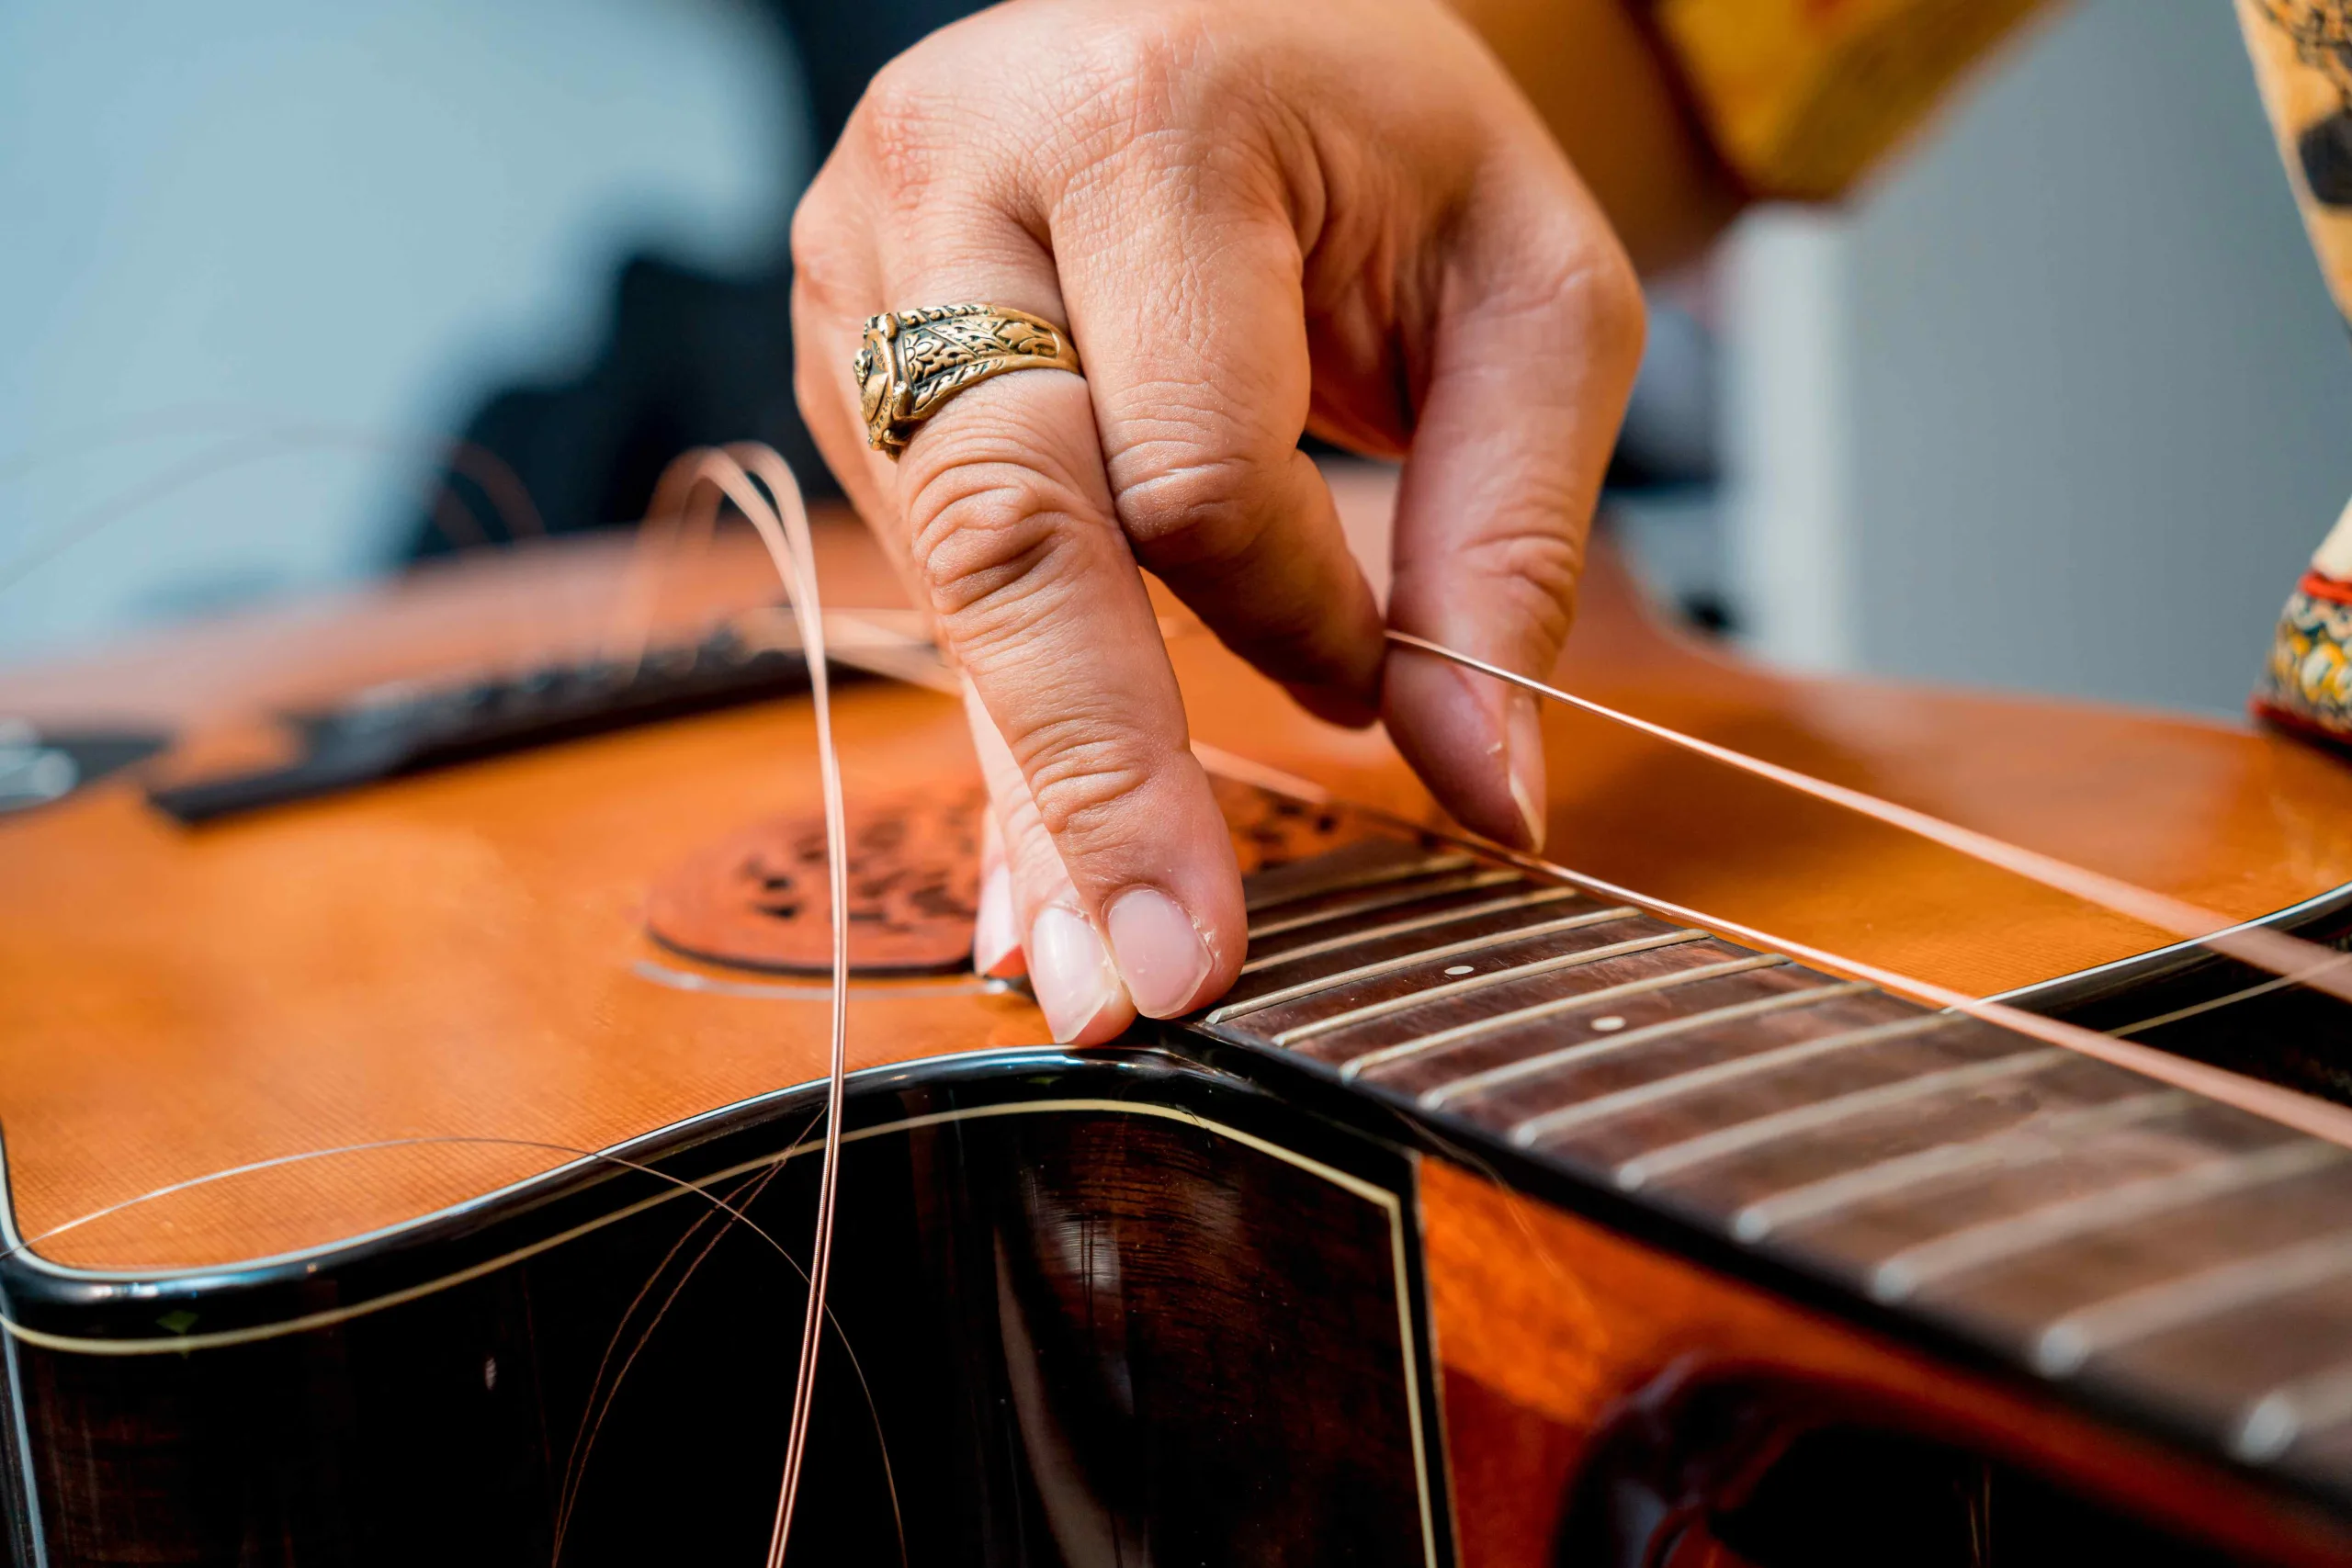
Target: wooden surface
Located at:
point(463, 954)
point(1548, 1326)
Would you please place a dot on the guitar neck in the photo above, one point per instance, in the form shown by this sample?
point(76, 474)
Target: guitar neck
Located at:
point(2089, 1225)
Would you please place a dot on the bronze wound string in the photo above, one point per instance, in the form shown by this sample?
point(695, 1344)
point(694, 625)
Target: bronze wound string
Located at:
point(2320, 1118)
point(2289, 957)
point(600, 1396)
point(741, 473)
point(2275, 953)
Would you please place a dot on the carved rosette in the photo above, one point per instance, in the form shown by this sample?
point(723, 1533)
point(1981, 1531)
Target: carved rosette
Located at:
point(914, 361)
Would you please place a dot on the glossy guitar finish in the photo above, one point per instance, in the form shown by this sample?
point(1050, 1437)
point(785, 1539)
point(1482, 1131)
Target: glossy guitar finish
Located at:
point(1205, 1301)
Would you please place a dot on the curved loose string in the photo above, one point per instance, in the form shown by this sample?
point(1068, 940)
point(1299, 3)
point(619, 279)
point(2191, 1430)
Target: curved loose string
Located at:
point(2275, 953)
point(681, 511)
point(784, 529)
point(734, 1212)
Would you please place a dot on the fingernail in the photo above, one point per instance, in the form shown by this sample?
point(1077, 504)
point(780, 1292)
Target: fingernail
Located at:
point(1160, 953)
point(1529, 789)
point(1070, 972)
point(995, 935)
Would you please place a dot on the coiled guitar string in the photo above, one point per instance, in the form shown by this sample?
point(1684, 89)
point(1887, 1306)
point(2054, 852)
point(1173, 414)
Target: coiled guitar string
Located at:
point(760, 486)
point(734, 1212)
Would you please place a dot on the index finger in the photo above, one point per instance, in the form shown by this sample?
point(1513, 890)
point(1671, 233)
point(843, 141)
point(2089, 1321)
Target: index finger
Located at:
point(1012, 529)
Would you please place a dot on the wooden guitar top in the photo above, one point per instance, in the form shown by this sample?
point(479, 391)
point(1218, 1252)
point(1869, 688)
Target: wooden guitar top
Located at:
point(464, 954)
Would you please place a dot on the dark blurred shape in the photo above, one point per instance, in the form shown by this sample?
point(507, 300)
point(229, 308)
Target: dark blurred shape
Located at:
point(1669, 437)
point(689, 358)
point(407, 728)
point(1708, 613)
point(39, 767)
point(2324, 149)
point(844, 45)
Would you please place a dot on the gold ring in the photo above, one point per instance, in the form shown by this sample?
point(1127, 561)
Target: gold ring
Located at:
point(914, 361)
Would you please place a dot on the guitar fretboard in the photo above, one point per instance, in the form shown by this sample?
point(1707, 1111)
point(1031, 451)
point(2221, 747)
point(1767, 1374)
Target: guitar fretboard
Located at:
point(2081, 1219)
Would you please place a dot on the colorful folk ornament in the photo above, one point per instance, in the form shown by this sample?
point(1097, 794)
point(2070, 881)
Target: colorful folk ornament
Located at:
point(2302, 62)
point(2307, 685)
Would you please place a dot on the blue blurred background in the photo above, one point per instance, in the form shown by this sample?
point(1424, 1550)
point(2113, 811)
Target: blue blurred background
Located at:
point(2057, 402)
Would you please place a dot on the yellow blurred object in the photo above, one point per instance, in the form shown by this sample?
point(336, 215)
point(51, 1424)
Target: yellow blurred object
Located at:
point(1803, 96)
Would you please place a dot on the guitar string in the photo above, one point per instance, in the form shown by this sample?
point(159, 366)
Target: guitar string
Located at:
point(600, 1398)
point(661, 542)
point(2319, 1118)
point(2289, 957)
point(760, 485)
point(451, 515)
point(2275, 953)
point(685, 507)
point(692, 1189)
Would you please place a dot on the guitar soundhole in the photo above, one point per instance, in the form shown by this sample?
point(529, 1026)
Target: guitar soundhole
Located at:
point(761, 898)
point(1764, 1474)
point(1272, 831)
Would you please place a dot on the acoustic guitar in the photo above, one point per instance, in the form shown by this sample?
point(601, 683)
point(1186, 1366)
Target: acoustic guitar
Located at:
point(412, 1024)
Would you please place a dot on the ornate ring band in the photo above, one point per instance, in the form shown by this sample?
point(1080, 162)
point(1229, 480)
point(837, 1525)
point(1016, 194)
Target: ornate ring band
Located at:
point(914, 361)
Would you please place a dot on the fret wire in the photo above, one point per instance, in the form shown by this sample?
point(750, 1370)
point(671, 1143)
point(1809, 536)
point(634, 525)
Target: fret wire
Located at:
point(1405, 961)
point(1369, 877)
point(1476, 1027)
point(2037, 1138)
point(1742, 1136)
point(1904, 1273)
point(2061, 1349)
point(1511, 1072)
point(1489, 978)
point(1526, 1133)
point(1389, 897)
point(1404, 928)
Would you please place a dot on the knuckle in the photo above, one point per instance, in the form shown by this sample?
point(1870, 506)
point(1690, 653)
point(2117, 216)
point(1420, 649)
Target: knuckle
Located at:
point(905, 124)
point(1086, 775)
point(992, 543)
point(1202, 509)
point(1136, 83)
point(1575, 281)
point(1134, 63)
point(1534, 565)
point(1601, 292)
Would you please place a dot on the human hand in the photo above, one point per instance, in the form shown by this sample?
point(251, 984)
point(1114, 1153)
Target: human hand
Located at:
point(1255, 220)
